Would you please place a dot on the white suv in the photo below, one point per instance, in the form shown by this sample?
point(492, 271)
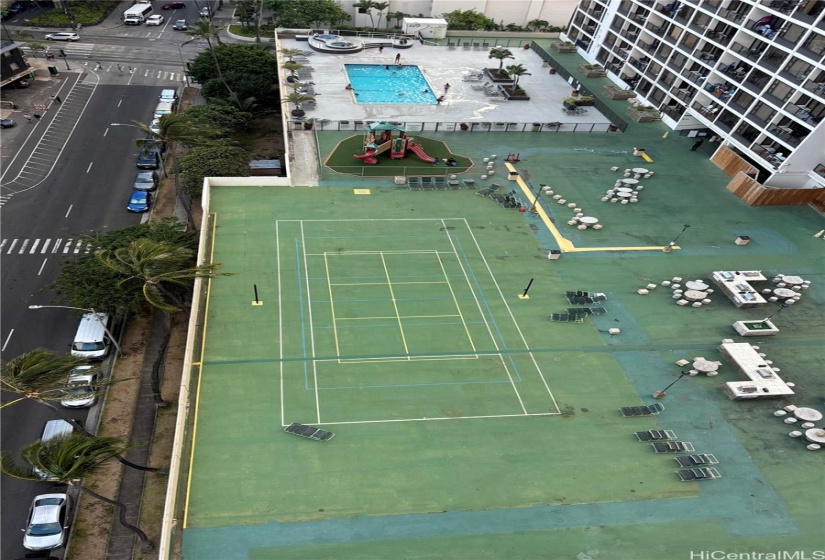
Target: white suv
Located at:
point(62, 37)
point(155, 20)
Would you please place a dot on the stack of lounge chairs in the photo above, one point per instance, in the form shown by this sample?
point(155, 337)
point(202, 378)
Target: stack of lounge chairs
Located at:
point(473, 76)
point(632, 411)
point(309, 432)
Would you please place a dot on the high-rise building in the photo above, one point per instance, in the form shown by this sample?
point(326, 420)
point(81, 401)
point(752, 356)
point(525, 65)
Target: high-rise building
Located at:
point(749, 72)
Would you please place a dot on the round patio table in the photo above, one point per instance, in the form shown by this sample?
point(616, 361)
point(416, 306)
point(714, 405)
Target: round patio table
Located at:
point(695, 295)
point(705, 366)
point(696, 285)
point(784, 293)
point(624, 194)
point(624, 189)
point(589, 220)
point(640, 170)
point(630, 181)
point(815, 435)
point(792, 280)
point(807, 414)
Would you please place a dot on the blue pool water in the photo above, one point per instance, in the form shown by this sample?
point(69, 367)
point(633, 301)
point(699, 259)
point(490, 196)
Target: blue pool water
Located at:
point(374, 83)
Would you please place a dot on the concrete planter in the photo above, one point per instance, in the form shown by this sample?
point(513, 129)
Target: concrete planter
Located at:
point(513, 96)
point(492, 74)
point(643, 116)
point(591, 71)
point(563, 47)
point(615, 92)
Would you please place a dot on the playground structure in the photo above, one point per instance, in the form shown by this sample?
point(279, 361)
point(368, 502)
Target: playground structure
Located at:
point(378, 139)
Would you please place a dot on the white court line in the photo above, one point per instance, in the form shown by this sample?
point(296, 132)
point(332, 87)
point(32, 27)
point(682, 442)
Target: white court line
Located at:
point(392, 317)
point(6, 343)
point(455, 301)
point(405, 252)
point(512, 317)
point(481, 312)
point(280, 316)
point(381, 359)
point(332, 309)
point(395, 305)
point(527, 414)
point(384, 283)
point(311, 330)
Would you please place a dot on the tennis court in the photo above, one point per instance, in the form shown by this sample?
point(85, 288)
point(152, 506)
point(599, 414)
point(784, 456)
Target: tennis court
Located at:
point(395, 320)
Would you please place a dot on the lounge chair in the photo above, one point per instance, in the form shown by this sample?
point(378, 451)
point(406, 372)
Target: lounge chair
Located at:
point(701, 473)
point(672, 447)
point(655, 435)
point(630, 411)
point(696, 460)
point(440, 182)
point(427, 183)
point(414, 182)
point(468, 183)
point(565, 318)
point(309, 432)
point(453, 184)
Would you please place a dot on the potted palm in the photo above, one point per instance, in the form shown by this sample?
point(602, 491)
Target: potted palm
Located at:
point(296, 99)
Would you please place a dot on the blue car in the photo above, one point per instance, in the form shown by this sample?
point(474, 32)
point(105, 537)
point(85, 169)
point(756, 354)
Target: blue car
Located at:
point(140, 201)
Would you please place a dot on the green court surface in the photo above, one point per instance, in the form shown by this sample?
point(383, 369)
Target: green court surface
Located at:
point(468, 425)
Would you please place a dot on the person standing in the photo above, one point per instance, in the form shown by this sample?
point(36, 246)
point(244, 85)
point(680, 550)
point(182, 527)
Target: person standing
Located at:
point(380, 49)
point(398, 58)
point(446, 87)
point(696, 145)
point(99, 66)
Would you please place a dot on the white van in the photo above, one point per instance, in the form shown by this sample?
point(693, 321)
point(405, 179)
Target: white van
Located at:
point(168, 95)
point(164, 108)
point(53, 429)
point(91, 340)
point(137, 14)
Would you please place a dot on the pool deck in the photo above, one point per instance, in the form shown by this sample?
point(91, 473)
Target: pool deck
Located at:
point(441, 66)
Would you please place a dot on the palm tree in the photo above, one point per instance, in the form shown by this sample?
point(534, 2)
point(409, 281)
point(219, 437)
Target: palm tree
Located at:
point(380, 6)
point(204, 29)
point(500, 53)
point(158, 267)
point(296, 99)
point(290, 53)
point(38, 375)
point(293, 67)
point(397, 16)
point(367, 6)
point(517, 70)
point(69, 460)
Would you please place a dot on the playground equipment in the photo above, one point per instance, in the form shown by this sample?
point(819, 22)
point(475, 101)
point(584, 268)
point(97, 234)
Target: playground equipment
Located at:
point(418, 151)
point(378, 139)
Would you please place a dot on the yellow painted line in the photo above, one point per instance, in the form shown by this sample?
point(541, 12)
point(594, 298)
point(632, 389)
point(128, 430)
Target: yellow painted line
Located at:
point(646, 157)
point(565, 245)
point(361, 191)
point(200, 381)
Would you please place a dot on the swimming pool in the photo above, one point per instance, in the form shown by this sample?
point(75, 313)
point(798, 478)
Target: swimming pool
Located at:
point(389, 85)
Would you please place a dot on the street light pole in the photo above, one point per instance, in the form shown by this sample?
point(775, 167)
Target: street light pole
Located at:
point(102, 322)
point(155, 141)
point(672, 244)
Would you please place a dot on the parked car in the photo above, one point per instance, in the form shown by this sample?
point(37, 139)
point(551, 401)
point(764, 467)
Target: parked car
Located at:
point(140, 201)
point(7, 123)
point(180, 25)
point(154, 126)
point(146, 181)
point(173, 6)
point(206, 12)
point(48, 523)
point(81, 388)
point(62, 36)
point(148, 158)
point(155, 20)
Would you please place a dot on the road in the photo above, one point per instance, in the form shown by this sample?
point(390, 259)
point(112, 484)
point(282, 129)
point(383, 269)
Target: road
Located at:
point(71, 173)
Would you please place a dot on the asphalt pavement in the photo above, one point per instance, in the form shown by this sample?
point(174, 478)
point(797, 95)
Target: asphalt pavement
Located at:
point(65, 175)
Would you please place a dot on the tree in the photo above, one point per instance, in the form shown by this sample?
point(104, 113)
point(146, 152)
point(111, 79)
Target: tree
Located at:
point(537, 24)
point(204, 29)
point(290, 53)
point(500, 53)
point(159, 269)
point(236, 72)
point(39, 375)
point(469, 20)
point(69, 460)
point(517, 71)
point(366, 7)
point(84, 282)
point(311, 14)
point(380, 6)
point(176, 129)
point(215, 161)
point(292, 67)
point(225, 120)
point(397, 16)
point(296, 99)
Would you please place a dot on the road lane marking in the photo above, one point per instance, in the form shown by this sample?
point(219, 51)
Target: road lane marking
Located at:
point(57, 243)
point(45, 246)
point(69, 211)
point(91, 163)
point(23, 247)
point(34, 246)
point(3, 244)
point(6, 343)
point(42, 266)
point(11, 247)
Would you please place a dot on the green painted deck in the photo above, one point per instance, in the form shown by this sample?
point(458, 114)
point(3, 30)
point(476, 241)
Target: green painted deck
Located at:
point(523, 452)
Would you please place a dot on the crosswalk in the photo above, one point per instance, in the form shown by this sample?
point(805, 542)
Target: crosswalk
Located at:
point(57, 246)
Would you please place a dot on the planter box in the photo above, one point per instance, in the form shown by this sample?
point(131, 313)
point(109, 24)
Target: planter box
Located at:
point(563, 47)
point(755, 328)
point(615, 92)
point(643, 116)
point(514, 97)
point(491, 73)
point(591, 71)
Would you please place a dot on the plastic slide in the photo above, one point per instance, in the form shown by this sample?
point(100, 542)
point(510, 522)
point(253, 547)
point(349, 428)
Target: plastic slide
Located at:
point(422, 155)
point(367, 157)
